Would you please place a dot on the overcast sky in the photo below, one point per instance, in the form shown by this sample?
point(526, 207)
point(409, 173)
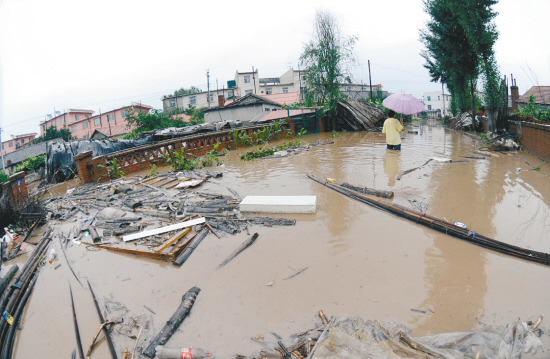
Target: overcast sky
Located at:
point(104, 54)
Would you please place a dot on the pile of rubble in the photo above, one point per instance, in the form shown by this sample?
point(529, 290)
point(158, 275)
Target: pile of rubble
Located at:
point(359, 116)
point(502, 140)
point(465, 122)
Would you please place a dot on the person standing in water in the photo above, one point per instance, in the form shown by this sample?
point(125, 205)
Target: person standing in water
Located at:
point(392, 127)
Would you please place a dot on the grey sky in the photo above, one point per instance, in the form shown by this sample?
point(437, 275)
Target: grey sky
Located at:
point(103, 54)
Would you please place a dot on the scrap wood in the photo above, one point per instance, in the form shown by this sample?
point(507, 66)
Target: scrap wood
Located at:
point(163, 229)
point(537, 322)
point(212, 230)
point(242, 247)
point(174, 322)
point(474, 157)
point(138, 252)
point(67, 260)
point(196, 240)
point(301, 270)
point(139, 335)
point(371, 191)
point(105, 330)
point(483, 154)
point(172, 240)
point(412, 169)
point(102, 327)
point(76, 331)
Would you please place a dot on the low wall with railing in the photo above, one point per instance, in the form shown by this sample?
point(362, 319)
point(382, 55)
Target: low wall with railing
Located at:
point(140, 158)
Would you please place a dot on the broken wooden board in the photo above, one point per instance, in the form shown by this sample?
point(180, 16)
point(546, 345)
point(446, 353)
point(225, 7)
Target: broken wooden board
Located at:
point(161, 230)
point(172, 240)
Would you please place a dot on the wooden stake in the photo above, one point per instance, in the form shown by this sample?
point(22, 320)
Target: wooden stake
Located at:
point(102, 327)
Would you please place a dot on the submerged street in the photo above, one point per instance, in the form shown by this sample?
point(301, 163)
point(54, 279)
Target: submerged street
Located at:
point(360, 261)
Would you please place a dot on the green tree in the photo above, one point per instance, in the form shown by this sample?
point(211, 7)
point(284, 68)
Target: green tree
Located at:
point(52, 133)
point(184, 91)
point(324, 58)
point(155, 119)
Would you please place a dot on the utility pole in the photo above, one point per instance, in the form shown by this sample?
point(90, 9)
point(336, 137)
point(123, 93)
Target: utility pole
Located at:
point(2, 152)
point(208, 79)
point(370, 81)
point(254, 78)
point(443, 95)
point(217, 93)
point(300, 79)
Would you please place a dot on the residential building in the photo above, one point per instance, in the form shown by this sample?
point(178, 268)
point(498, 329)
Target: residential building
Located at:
point(244, 109)
point(83, 123)
point(242, 84)
point(17, 142)
point(358, 92)
point(542, 97)
point(434, 101)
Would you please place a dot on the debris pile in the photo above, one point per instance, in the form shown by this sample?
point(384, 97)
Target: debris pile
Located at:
point(465, 123)
point(503, 140)
point(359, 116)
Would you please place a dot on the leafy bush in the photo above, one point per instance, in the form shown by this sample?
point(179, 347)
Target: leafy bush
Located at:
point(31, 164)
point(301, 133)
point(259, 153)
point(533, 109)
point(52, 133)
point(153, 172)
point(180, 162)
point(4, 177)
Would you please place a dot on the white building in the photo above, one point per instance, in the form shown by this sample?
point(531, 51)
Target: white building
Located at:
point(242, 84)
point(435, 100)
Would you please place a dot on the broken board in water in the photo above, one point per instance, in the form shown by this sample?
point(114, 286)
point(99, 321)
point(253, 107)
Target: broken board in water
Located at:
point(279, 204)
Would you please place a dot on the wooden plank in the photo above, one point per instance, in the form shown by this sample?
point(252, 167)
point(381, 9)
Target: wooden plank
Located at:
point(138, 252)
point(172, 240)
point(173, 227)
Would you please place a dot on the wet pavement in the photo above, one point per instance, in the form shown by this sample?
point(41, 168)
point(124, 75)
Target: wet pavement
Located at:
point(361, 261)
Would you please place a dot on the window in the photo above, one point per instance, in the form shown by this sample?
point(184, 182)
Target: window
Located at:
point(44, 127)
point(2, 146)
point(193, 100)
point(110, 117)
point(247, 92)
point(84, 125)
point(438, 98)
point(266, 109)
point(97, 121)
point(10, 144)
point(429, 98)
point(247, 79)
point(211, 97)
point(73, 128)
point(76, 117)
point(86, 116)
point(229, 95)
point(172, 103)
point(22, 141)
point(62, 119)
point(123, 113)
point(17, 144)
point(268, 91)
point(429, 107)
point(87, 137)
point(285, 89)
point(303, 77)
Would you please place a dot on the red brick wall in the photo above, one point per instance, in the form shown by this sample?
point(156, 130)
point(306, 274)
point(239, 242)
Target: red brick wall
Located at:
point(534, 137)
point(83, 161)
point(16, 190)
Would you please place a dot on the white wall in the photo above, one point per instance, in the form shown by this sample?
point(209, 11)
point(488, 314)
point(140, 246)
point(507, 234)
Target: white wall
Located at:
point(434, 101)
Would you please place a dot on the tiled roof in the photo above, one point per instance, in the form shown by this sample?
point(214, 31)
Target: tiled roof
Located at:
point(288, 98)
point(279, 114)
point(541, 93)
point(30, 151)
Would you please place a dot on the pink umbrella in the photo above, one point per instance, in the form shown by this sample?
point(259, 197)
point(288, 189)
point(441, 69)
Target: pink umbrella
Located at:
point(403, 103)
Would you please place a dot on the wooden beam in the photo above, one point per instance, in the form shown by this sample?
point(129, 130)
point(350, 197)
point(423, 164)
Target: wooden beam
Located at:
point(172, 240)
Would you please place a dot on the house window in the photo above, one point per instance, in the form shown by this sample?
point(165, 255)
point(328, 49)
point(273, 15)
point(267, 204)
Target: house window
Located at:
point(110, 117)
point(172, 103)
point(97, 121)
point(10, 144)
point(62, 120)
point(76, 118)
point(44, 127)
point(22, 141)
point(229, 95)
point(429, 98)
point(285, 89)
point(86, 116)
point(211, 97)
point(17, 144)
point(266, 109)
point(429, 107)
point(247, 92)
point(2, 146)
point(73, 128)
point(247, 79)
point(268, 91)
point(84, 125)
point(124, 113)
point(193, 100)
point(438, 98)
point(303, 77)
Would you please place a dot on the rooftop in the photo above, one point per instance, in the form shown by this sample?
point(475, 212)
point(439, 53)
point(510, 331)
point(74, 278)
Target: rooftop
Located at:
point(541, 93)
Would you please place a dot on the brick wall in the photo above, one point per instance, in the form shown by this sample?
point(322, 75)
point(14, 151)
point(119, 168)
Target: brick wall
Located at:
point(83, 162)
point(16, 190)
point(534, 137)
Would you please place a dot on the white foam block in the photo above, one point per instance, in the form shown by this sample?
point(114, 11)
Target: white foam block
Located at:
point(279, 204)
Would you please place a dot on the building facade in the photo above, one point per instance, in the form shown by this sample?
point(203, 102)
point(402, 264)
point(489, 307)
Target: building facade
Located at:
point(436, 100)
point(541, 94)
point(17, 142)
point(83, 123)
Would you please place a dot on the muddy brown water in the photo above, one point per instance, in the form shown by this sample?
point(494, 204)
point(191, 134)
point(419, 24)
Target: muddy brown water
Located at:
point(361, 261)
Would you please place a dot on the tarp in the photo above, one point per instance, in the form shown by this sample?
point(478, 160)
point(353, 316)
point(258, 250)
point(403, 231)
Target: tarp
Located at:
point(354, 338)
point(60, 163)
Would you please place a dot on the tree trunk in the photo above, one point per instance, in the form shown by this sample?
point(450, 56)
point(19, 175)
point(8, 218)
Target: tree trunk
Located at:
point(473, 95)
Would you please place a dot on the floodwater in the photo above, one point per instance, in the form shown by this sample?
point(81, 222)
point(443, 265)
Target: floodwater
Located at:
point(361, 261)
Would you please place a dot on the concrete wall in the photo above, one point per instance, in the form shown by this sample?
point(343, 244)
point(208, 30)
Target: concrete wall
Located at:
point(534, 137)
point(16, 144)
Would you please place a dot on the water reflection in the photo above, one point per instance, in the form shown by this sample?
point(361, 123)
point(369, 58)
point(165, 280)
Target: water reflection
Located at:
point(391, 166)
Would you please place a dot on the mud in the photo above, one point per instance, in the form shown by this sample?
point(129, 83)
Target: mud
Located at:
point(361, 261)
